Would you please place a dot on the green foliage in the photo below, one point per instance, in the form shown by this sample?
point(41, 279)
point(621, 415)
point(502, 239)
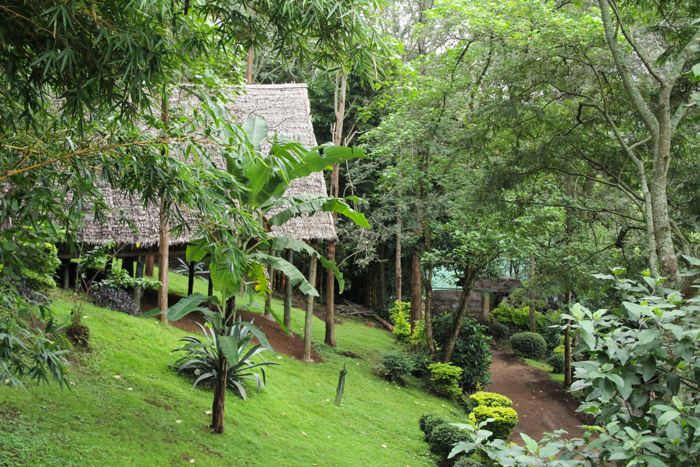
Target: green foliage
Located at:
point(560, 349)
point(417, 338)
point(202, 360)
point(489, 399)
point(444, 437)
point(471, 353)
point(396, 364)
point(517, 317)
point(499, 331)
point(557, 361)
point(529, 345)
point(119, 279)
point(465, 461)
point(503, 423)
point(446, 378)
point(400, 319)
point(421, 362)
point(429, 421)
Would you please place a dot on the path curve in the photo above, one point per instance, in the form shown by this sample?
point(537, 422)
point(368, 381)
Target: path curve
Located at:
point(542, 403)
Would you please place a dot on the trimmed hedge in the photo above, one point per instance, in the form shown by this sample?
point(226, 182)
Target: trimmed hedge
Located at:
point(444, 437)
point(529, 345)
point(465, 461)
point(429, 421)
point(505, 419)
point(396, 364)
point(557, 362)
point(489, 399)
point(499, 331)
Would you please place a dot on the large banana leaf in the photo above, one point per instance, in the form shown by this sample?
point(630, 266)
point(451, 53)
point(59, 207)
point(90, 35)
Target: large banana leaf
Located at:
point(289, 270)
point(256, 129)
point(225, 278)
point(323, 157)
point(283, 243)
point(196, 250)
point(182, 308)
point(309, 204)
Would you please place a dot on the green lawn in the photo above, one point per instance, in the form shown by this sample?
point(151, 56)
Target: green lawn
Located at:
point(127, 408)
point(559, 377)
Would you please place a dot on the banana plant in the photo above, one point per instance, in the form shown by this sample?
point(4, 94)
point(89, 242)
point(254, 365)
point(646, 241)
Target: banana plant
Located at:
point(239, 255)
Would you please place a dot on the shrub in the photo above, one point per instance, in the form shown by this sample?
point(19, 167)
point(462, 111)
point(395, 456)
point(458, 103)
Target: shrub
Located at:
point(529, 345)
point(505, 419)
point(445, 378)
point(552, 335)
point(417, 339)
point(557, 362)
point(400, 316)
point(471, 353)
point(201, 359)
point(517, 317)
point(499, 331)
point(421, 361)
point(444, 437)
point(489, 399)
point(429, 421)
point(117, 300)
point(559, 349)
point(465, 461)
point(396, 365)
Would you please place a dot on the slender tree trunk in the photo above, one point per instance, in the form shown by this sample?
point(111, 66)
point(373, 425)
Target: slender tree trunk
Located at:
point(163, 249)
point(415, 290)
point(382, 275)
point(190, 278)
point(288, 294)
point(330, 299)
point(268, 301)
point(217, 408)
point(150, 260)
point(467, 285)
point(310, 305)
point(567, 349)
point(533, 309)
point(249, 67)
point(398, 257)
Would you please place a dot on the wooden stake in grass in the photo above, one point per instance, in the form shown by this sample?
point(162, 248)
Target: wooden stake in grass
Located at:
point(341, 386)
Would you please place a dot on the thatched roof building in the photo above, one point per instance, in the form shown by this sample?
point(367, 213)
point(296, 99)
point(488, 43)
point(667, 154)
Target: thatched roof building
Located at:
point(286, 109)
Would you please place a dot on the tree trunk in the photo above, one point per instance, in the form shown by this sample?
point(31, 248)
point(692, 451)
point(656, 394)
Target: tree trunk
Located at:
point(398, 258)
point(458, 319)
point(217, 408)
point(415, 291)
point(567, 349)
point(249, 67)
point(382, 276)
point(288, 294)
point(533, 309)
point(310, 305)
point(163, 248)
point(330, 299)
point(268, 301)
point(429, 340)
point(150, 260)
point(190, 278)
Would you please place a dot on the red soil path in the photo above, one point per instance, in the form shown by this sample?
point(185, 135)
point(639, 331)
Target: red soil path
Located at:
point(542, 403)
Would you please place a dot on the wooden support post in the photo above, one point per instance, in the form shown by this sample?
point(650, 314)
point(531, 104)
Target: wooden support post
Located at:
point(288, 294)
point(268, 300)
point(138, 291)
point(310, 305)
point(128, 266)
point(190, 282)
point(64, 273)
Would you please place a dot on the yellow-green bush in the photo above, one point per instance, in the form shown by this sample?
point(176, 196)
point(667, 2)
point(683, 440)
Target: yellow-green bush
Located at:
point(503, 423)
point(489, 399)
point(445, 378)
point(400, 318)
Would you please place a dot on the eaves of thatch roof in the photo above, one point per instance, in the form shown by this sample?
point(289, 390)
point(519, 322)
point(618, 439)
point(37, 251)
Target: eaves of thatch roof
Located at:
point(285, 107)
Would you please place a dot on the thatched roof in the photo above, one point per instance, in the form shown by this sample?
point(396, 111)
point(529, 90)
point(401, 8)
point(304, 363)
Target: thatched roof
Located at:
point(285, 107)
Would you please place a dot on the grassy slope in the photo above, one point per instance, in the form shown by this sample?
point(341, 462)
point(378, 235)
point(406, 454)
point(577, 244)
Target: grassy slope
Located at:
point(103, 422)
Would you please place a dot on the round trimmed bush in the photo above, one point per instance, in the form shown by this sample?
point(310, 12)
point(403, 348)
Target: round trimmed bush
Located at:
point(557, 362)
point(489, 399)
point(529, 345)
point(444, 437)
point(396, 365)
point(429, 421)
point(465, 461)
point(499, 331)
point(505, 419)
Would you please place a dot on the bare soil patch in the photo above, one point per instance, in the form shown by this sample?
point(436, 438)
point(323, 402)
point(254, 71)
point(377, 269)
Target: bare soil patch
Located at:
point(542, 403)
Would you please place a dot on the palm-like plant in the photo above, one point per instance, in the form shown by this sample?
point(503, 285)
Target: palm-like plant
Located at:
point(202, 358)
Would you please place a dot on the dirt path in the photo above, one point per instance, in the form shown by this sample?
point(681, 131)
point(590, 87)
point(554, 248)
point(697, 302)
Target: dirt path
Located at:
point(541, 403)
